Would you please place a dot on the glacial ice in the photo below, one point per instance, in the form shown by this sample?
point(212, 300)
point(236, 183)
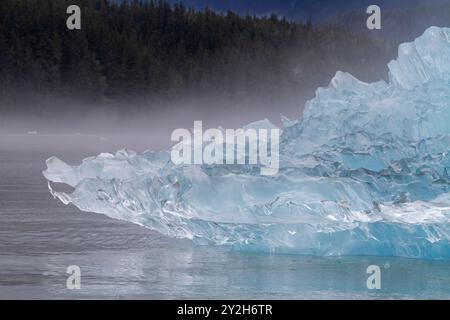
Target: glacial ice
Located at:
point(365, 171)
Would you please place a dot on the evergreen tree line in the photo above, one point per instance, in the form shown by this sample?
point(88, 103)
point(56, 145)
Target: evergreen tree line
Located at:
point(149, 53)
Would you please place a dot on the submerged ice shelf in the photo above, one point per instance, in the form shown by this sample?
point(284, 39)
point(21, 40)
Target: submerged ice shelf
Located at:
point(366, 171)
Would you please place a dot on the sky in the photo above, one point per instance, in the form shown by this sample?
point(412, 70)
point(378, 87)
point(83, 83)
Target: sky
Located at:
point(317, 10)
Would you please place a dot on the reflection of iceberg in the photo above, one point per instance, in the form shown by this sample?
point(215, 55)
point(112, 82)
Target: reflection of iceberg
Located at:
point(366, 171)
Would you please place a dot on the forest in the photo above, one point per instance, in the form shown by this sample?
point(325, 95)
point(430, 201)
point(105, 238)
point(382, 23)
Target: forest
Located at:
point(146, 54)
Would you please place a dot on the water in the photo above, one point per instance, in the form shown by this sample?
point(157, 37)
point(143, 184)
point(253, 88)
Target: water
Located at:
point(40, 238)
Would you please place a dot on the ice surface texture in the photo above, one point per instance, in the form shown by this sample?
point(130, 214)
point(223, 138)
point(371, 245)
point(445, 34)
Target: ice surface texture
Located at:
point(366, 171)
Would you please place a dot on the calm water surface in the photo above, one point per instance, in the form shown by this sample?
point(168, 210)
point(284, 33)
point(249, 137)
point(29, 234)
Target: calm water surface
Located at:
point(40, 238)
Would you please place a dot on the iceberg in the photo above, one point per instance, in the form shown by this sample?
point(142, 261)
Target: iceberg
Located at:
point(365, 171)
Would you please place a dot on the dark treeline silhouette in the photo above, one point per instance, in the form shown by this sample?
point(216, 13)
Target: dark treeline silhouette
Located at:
point(148, 54)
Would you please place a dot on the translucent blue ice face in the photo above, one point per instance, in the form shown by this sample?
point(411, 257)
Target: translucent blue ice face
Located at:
point(364, 172)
